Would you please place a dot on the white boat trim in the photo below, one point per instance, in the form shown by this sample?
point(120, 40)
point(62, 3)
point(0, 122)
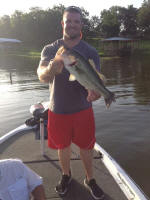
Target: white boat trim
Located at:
point(126, 184)
point(18, 130)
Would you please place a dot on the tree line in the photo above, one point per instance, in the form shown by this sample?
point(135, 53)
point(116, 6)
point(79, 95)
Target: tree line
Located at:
point(38, 27)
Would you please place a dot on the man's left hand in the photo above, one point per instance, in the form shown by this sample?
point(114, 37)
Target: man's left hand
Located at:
point(93, 95)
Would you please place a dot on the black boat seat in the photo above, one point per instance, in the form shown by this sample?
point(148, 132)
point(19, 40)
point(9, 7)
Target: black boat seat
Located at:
point(38, 111)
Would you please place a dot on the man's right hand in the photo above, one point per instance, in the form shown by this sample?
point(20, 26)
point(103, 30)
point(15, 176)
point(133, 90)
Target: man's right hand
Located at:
point(47, 71)
point(57, 65)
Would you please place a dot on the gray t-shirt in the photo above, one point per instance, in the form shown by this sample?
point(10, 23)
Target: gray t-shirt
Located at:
point(67, 97)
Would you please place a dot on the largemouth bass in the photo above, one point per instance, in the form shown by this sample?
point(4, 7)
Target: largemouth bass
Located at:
point(85, 73)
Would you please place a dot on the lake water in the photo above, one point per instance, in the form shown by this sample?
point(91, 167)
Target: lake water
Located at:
point(123, 130)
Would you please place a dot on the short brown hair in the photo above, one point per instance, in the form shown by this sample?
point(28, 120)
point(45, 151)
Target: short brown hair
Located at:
point(73, 9)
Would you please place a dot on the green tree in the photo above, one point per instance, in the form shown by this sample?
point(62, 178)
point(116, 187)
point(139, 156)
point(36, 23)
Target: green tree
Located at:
point(5, 26)
point(127, 17)
point(52, 24)
point(110, 24)
point(94, 26)
point(143, 19)
point(17, 25)
point(86, 23)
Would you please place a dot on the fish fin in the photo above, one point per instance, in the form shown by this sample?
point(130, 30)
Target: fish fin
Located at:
point(92, 63)
point(60, 51)
point(72, 77)
point(102, 77)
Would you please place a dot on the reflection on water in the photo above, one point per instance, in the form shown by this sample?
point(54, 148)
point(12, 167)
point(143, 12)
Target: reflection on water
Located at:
point(123, 130)
point(132, 77)
point(24, 91)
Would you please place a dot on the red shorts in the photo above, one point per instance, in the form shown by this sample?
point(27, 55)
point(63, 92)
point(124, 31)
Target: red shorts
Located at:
point(79, 128)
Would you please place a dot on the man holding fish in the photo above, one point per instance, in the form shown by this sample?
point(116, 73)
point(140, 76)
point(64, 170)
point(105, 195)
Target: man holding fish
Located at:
point(71, 67)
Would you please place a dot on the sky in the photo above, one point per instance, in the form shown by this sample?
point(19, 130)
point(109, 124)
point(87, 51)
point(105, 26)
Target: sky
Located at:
point(94, 7)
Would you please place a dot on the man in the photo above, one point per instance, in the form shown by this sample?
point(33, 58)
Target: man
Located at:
point(17, 181)
point(70, 112)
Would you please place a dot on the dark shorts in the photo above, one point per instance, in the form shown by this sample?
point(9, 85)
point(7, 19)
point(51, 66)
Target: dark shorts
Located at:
point(77, 128)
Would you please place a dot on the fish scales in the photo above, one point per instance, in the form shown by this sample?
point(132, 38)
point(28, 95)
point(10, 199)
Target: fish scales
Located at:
point(85, 73)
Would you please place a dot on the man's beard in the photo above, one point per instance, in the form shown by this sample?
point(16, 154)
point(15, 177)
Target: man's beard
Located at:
point(72, 37)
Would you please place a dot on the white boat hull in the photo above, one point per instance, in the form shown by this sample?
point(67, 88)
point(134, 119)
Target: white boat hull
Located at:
point(127, 185)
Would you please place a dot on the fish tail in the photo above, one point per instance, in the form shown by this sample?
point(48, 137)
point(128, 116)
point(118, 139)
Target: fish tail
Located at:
point(110, 99)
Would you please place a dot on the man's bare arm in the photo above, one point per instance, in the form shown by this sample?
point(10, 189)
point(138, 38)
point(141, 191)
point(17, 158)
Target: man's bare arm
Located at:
point(47, 70)
point(39, 193)
point(43, 71)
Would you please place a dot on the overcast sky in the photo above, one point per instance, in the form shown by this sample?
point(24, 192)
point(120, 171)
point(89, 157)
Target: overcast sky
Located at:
point(94, 7)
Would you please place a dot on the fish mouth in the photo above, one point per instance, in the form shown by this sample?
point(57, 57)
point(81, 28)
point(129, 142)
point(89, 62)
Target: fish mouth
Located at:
point(72, 64)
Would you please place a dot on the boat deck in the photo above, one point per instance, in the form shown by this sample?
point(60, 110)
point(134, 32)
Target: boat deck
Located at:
point(26, 148)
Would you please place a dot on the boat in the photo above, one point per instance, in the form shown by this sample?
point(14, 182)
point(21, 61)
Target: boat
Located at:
point(110, 176)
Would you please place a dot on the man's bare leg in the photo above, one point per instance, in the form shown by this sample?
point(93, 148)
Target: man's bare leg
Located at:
point(64, 159)
point(87, 158)
point(89, 182)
